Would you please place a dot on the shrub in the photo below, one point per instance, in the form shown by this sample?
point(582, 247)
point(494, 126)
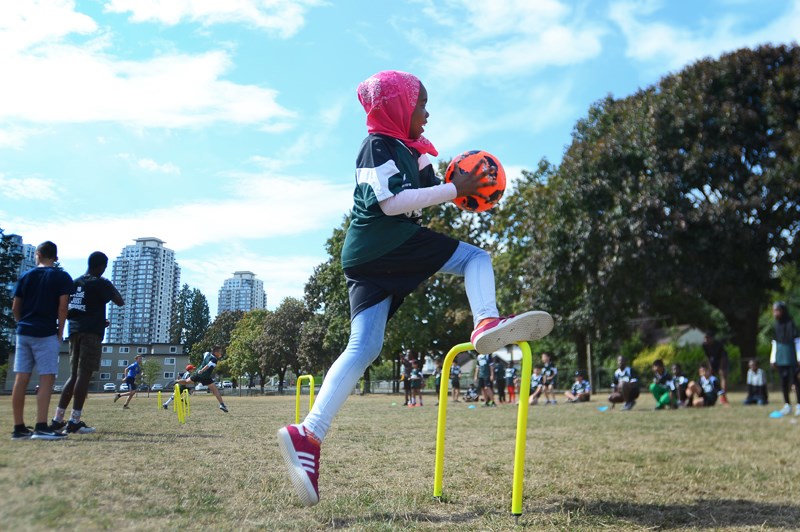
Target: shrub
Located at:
point(689, 357)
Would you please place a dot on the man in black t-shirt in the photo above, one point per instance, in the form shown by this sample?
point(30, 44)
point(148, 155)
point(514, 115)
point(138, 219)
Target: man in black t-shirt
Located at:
point(86, 317)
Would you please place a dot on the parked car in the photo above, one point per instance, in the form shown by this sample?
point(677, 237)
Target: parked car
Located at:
point(226, 384)
point(124, 387)
point(157, 387)
point(201, 388)
point(58, 388)
point(109, 387)
point(143, 388)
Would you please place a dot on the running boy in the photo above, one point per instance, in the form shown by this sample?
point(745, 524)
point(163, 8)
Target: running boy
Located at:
point(387, 254)
point(205, 375)
point(40, 309)
point(181, 387)
point(131, 372)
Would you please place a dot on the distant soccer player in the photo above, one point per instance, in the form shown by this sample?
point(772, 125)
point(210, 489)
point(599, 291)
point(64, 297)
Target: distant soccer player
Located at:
point(131, 372)
point(181, 387)
point(204, 375)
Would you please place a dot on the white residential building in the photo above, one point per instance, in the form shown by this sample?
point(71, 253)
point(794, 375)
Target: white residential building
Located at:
point(148, 278)
point(242, 292)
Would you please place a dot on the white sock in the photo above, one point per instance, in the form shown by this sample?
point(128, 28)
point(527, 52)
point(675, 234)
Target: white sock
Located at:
point(59, 414)
point(76, 416)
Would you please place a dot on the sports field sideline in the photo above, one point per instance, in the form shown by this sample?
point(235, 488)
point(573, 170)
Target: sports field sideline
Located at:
point(720, 468)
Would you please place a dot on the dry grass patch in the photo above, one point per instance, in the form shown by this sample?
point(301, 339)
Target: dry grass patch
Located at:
point(723, 468)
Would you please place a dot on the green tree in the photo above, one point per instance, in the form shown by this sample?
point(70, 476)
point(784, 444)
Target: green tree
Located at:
point(279, 342)
point(218, 333)
point(243, 354)
point(151, 372)
point(9, 265)
point(190, 319)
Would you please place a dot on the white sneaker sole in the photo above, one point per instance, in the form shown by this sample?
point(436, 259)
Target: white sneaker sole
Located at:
point(529, 326)
point(302, 484)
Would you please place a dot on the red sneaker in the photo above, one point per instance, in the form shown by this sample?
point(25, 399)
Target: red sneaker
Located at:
point(301, 455)
point(501, 332)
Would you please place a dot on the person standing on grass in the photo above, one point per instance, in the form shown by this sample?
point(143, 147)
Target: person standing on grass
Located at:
point(387, 254)
point(500, 379)
point(625, 385)
point(86, 315)
point(785, 355)
point(416, 384)
point(131, 372)
point(437, 378)
point(40, 310)
point(484, 376)
point(549, 379)
point(717, 358)
point(455, 381)
point(205, 375)
point(511, 383)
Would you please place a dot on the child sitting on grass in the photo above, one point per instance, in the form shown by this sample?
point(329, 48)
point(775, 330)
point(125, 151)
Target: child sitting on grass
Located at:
point(706, 391)
point(537, 385)
point(756, 385)
point(662, 385)
point(581, 390)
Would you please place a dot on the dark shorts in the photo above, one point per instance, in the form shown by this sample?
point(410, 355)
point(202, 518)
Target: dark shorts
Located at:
point(200, 379)
point(131, 382)
point(399, 272)
point(709, 399)
point(719, 364)
point(484, 382)
point(406, 384)
point(85, 351)
point(416, 385)
point(537, 388)
point(455, 382)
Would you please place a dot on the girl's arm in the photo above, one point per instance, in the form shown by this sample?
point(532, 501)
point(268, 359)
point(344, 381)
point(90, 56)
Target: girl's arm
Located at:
point(413, 199)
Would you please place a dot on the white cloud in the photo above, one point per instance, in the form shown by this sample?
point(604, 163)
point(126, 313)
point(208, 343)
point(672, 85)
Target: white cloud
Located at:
point(506, 38)
point(30, 188)
point(262, 208)
point(150, 165)
point(674, 47)
point(14, 137)
point(283, 18)
point(59, 81)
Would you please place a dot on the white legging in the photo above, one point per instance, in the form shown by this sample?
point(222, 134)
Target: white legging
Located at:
point(367, 331)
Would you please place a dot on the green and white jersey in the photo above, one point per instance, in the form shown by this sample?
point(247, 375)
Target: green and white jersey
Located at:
point(484, 366)
point(384, 168)
point(208, 365)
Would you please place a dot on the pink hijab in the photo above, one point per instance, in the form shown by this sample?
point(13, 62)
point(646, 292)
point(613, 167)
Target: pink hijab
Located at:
point(389, 98)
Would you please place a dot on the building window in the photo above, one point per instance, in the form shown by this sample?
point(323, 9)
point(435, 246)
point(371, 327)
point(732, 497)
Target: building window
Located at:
point(108, 349)
point(106, 362)
point(169, 375)
point(169, 361)
point(122, 363)
point(141, 350)
point(124, 349)
point(120, 376)
point(105, 376)
point(173, 349)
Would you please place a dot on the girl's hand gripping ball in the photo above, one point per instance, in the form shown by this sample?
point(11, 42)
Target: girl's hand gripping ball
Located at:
point(493, 184)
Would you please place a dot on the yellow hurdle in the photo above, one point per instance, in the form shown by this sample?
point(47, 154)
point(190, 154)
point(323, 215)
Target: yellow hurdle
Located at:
point(522, 424)
point(178, 399)
point(158, 403)
point(185, 399)
point(300, 379)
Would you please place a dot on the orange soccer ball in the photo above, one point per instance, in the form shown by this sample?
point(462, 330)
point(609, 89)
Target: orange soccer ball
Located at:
point(466, 162)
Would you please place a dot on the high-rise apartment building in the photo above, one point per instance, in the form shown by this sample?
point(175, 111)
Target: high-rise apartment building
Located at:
point(242, 292)
point(27, 254)
point(148, 278)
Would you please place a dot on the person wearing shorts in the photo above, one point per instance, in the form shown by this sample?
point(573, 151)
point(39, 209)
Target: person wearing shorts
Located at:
point(706, 391)
point(40, 310)
point(131, 372)
point(205, 374)
point(455, 380)
point(86, 315)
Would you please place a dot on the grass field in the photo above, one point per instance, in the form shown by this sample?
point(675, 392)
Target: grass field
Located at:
point(721, 468)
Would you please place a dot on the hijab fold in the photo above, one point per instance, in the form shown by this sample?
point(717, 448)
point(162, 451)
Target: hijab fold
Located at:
point(389, 98)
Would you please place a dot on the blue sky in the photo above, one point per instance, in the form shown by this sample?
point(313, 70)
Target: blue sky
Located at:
point(230, 129)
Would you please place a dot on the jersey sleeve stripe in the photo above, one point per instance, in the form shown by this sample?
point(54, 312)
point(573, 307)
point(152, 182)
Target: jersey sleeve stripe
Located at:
point(378, 178)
